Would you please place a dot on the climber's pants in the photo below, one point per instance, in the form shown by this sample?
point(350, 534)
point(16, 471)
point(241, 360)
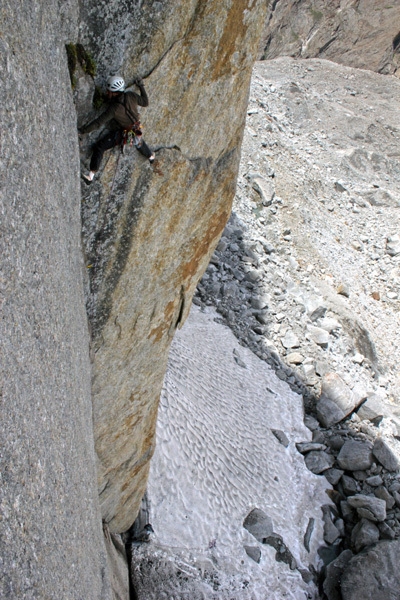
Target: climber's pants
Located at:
point(110, 140)
point(143, 147)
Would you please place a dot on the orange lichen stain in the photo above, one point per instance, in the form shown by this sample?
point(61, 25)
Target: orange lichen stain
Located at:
point(147, 450)
point(157, 168)
point(132, 421)
point(232, 37)
point(158, 332)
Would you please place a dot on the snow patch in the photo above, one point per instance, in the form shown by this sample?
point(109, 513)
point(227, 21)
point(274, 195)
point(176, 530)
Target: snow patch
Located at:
point(217, 459)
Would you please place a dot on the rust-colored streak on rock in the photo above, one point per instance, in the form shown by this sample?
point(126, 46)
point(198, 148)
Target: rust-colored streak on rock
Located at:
point(201, 248)
point(158, 332)
point(232, 38)
point(159, 226)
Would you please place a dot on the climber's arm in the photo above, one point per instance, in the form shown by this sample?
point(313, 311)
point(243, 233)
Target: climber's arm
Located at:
point(101, 120)
point(143, 99)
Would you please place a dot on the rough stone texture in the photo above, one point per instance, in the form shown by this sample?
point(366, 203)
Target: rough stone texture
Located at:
point(318, 461)
point(331, 533)
point(333, 475)
point(355, 456)
point(382, 492)
point(258, 524)
point(369, 507)
point(373, 574)
point(117, 564)
point(383, 453)
point(365, 533)
point(357, 33)
point(333, 574)
point(337, 400)
point(373, 409)
point(149, 233)
point(51, 537)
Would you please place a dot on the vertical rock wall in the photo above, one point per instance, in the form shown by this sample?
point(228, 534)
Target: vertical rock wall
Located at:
point(50, 524)
point(149, 232)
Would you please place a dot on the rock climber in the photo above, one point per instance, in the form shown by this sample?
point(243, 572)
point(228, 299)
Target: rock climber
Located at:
point(122, 119)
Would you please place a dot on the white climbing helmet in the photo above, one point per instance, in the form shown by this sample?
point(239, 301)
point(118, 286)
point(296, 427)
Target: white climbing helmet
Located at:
point(115, 84)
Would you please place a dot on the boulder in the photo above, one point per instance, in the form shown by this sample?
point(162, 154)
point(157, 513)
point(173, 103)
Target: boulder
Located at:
point(331, 532)
point(364, 534)
point(384, 454)
point(318, 461)
point(382, 493)
point(355, 456)
point(337, 400)
point(333, 575)
point(265, 189)
point(373, 574)
point(333, 475)
point(149, 232)
point(369, 507)
point(253, 552)
point(259, 524)
point(318, 335)
point(373, 409)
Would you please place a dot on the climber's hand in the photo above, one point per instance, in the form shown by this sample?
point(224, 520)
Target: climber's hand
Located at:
point(139, 81)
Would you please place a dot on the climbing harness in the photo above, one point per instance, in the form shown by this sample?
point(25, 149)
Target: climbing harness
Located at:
point(132, 135)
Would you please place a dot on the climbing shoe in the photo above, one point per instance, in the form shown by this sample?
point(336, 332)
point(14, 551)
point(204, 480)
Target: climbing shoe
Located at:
point(88, 179)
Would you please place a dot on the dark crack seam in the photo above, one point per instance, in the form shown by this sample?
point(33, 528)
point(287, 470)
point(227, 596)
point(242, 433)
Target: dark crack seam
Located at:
point(186, 33)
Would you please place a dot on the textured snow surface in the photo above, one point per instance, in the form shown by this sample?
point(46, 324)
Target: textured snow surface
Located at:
point(216, 460)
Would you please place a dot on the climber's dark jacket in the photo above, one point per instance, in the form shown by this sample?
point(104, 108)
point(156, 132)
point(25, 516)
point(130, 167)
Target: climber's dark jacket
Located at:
point(117, 114)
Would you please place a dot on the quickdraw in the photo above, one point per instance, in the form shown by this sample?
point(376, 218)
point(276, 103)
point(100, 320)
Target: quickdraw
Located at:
point(132, 135)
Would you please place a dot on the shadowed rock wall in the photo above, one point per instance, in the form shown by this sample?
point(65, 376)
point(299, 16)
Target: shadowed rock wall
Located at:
point(149, 232)
point(50, 524)
point(357, 33)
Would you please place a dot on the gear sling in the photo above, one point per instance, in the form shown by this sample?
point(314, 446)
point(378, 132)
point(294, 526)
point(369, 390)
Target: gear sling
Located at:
point(133, 134)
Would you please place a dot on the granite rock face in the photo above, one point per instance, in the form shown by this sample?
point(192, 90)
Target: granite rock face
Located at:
point(149, 232)
point(356, 33)
point(51, 536)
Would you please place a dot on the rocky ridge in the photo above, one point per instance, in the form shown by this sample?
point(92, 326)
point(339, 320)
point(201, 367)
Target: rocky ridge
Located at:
point(307, 276)
point(356, 33)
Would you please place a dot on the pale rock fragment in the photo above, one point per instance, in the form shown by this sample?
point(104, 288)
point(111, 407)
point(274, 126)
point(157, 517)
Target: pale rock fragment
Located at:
point(337, 400)
point(383, 453)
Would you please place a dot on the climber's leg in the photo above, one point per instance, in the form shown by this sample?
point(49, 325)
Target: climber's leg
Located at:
point(105, 143)
point(144, 149)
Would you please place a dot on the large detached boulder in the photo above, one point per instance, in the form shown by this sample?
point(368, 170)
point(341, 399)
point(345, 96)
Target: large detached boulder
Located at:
point(337, 400)
point(149, 232)
point(373, 574)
